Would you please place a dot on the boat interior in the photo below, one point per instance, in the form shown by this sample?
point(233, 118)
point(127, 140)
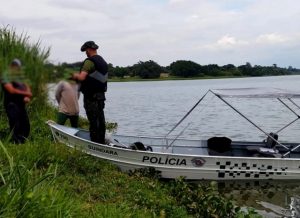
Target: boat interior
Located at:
point(271, 147)
point(215, 146)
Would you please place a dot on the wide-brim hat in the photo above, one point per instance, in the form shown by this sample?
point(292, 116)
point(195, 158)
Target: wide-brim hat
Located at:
point(89, 44)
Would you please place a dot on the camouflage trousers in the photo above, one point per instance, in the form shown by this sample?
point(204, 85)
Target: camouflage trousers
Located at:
point(94, 106)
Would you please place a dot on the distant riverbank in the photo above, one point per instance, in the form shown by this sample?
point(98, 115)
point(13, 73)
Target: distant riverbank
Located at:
point(136, 79)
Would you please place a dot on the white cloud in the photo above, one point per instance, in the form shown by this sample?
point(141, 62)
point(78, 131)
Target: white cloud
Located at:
point(229, 41)
point(127, 31)
point(271, 38)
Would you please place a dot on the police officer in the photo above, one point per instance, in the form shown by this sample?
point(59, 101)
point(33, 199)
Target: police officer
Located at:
point(93, 77)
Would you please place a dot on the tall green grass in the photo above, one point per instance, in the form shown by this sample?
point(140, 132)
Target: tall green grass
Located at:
point(32, 56)
point(26, 192)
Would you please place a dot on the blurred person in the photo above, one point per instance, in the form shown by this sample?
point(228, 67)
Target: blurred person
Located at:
point(17, 94)
point(67, 95)
point(93, 78)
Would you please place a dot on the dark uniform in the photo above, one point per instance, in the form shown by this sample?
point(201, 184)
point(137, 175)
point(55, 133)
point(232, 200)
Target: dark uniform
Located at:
point(15, 107)
point(93, 89)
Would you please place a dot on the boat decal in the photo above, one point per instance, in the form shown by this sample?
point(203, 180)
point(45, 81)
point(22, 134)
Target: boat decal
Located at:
point(248, 174)
point(102, 150)
point(164, 160)
point(245, 170)
point(198, 162)
point(61, 136)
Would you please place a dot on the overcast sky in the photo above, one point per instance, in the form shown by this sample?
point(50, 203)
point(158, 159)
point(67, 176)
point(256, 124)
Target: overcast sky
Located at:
point(262, 32)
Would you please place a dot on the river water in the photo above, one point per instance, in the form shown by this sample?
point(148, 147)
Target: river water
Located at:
point(153, 108)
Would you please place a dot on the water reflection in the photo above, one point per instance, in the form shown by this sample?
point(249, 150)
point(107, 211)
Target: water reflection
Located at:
point(295, 206)
point(269, 198)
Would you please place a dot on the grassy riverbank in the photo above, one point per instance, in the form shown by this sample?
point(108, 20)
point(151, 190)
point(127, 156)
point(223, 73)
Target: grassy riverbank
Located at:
point(43, 178)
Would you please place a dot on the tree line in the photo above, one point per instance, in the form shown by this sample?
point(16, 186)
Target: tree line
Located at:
point(180, 68)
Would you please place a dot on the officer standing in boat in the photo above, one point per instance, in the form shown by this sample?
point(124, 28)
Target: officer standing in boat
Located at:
point(93, 77)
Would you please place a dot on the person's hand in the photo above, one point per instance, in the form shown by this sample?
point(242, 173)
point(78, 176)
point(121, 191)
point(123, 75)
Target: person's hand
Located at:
point(29, 94)
point(74, 76)
point(26, 100)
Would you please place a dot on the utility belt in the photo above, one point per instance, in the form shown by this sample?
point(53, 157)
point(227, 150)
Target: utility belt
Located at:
point(95, 96)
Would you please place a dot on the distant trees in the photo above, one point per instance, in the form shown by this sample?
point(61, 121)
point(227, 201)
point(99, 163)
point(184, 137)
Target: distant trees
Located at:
point(292, 70)
point(246, 69)
point(147, 70)
point(231, 70)
point(118, 72)
point(185, 68)
point(181, 68)
point(212, 70)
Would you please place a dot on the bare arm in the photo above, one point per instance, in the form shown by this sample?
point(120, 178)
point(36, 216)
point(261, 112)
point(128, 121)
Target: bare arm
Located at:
point(80, 76)
point(58, 92)
point(12, 90)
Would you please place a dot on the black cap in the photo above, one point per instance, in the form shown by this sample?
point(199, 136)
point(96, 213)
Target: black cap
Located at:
point(89, 44)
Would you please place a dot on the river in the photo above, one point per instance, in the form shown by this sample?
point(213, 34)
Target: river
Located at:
point(152, 108)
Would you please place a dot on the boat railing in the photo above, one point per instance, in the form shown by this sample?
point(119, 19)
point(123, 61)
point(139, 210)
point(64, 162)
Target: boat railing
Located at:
point(290, 150)
point(221, 97)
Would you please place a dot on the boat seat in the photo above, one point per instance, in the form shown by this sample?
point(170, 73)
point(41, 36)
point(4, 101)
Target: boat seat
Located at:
point(109, 140)
point(140, 146)
point(268, 150)
point(220, 146)
point(263, 151)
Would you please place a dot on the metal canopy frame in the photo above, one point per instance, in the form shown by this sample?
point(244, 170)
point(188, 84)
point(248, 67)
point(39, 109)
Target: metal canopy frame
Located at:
point(242, 115)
